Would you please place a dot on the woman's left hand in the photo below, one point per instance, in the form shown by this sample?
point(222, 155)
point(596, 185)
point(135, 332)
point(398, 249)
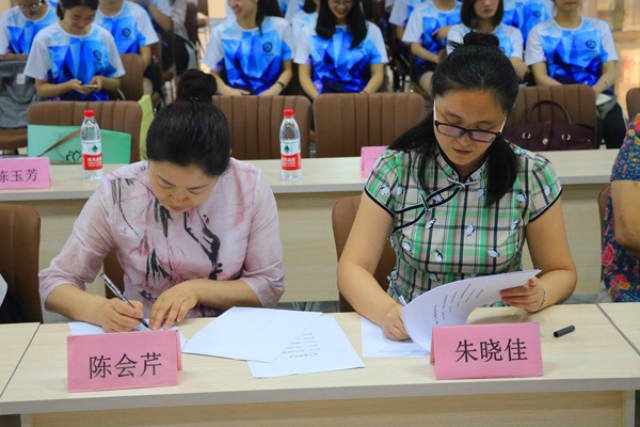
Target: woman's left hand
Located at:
point(173, 305)
point(529, 296)
point(98, 82)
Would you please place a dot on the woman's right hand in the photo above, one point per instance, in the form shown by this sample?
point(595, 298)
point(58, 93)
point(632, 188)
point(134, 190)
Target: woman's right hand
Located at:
point(117, 316)
point(75, 84)
point(392, 324)
point(236, 92)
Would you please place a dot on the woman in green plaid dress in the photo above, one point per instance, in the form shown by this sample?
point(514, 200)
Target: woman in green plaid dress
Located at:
point(456, 200)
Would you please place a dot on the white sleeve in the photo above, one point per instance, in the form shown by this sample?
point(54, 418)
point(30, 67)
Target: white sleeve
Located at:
point(38, 64)
point(4, 34)
point(302, 50)
point(516, 40)
point(146, 27)
point(375, 35)
point(164, 7)
point(293, 8)
point(534, 53)
point(214, 52)
point(414, 29)
point(398, 13)
point(607, 41)
point(455, 35)
point(288, 39)
point(114, 56)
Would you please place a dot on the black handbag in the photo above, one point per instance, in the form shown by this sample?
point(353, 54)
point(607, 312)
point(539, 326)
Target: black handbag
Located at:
point(551, 135)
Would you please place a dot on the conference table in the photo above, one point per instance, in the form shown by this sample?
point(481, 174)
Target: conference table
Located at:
point(588, 379)
point(305, 207)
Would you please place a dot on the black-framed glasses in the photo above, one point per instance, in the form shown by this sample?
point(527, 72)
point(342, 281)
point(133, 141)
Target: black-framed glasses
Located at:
point(455, 131)
point(33, 7)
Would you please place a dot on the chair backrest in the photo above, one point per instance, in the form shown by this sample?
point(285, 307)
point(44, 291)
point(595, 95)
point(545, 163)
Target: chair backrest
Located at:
point(131, 83)
point(633, 102)
point(19, 251)
point(255, 123)
point(114, 271)
point(579, 100)
point(344, 123)
point(121, 116)
point(342, 216)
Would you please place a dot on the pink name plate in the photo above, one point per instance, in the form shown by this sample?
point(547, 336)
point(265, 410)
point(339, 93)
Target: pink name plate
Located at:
point(123, 360)
point(495, 350)
point(368, 157)
point(24, 172)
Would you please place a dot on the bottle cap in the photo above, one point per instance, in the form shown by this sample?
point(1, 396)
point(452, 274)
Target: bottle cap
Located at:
point(89, 113)
point(288, 112)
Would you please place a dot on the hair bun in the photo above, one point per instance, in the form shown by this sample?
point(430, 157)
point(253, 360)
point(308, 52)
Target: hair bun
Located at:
point(475, 38)
point(196, 86)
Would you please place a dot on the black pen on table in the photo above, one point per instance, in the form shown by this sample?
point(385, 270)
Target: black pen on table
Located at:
point(117, 293)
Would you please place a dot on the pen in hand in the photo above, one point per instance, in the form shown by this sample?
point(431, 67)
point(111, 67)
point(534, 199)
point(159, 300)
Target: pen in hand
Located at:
point(118, 294)
point(395, 289)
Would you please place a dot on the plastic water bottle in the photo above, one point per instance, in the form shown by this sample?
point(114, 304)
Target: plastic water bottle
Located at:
point(290, 147)
point(91, 146)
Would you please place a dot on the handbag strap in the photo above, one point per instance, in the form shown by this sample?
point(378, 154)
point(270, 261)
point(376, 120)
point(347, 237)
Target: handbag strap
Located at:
point(60, 142)
point(567, 116)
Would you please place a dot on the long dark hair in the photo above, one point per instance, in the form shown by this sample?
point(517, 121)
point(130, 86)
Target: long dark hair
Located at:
point(470, 19)
point(195, 85)
point(267, 8)
point(309, 6)
point(478, 64)
point(190, 132)
point(69, 4)
point(326, 25)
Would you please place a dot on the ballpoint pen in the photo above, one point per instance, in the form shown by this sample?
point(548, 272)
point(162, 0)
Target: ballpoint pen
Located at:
point(117, 293)
point(395, 289)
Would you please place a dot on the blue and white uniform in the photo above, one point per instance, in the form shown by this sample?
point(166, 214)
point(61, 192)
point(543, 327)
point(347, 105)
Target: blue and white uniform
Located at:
point(131, 28)
point(402, 10)
point(513, 13)
point(422, 23)
point(572, 55)
point(57, 56)
point(17, 32)
point(337, 67)
point(293, 8)
point(304, 21)
point(509, 37)
point(163, 6)
point(533, 13)
point(252, 59)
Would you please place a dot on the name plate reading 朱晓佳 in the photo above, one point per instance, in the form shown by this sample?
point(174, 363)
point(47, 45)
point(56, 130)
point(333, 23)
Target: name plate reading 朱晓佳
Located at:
point(496, 350)
point(26, 172)
point(123, 360)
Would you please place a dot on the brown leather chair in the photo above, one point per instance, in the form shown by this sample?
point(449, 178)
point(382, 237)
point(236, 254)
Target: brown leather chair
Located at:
point(121, 116)
point(579, 100)
point(19, 251)
point(342, 216)
point(255, 123)
point(633, 102)
point(131, 83)
point(12, 139)
point(344, 123)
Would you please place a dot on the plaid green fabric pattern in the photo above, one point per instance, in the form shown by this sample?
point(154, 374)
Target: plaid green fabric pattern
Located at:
point(445, 233)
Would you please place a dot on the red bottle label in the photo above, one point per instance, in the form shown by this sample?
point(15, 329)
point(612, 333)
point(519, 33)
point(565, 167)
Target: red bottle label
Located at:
point(92, 162)
point(291, 162)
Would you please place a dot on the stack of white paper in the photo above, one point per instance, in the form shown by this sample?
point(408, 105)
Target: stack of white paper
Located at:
point(375, 344)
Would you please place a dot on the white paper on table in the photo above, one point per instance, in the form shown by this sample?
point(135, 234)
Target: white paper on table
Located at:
point(84, 328)
point(321, 347)
point(245, 333)
point(451, 304)
point(375, 344)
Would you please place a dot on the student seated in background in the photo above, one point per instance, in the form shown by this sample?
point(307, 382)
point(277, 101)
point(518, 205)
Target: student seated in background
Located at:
point(306, 19)
point(185, 52)
point(345, 53)
point(533, 13)
point(485, 16)
point(196, 232)
point(457, 200)
point(20, 24)
point(426, 32)
point(75, 59)
point(576, 49)
point(513, 13)
point(251, 55)
point(621, 238)
point(401, 11)
point(129, 25)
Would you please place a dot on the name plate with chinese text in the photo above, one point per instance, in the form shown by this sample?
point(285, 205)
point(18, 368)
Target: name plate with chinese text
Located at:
point(24, 172)
point(497, 350)
point(123, 360)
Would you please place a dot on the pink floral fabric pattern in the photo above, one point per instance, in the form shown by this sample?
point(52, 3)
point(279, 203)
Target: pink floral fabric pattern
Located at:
point(621, 270)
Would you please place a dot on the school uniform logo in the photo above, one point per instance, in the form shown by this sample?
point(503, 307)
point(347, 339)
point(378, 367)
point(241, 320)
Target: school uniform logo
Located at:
point(591, 44)
point(536, 14)
point(267, 47)
point(97, 55)
point(126, 33)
